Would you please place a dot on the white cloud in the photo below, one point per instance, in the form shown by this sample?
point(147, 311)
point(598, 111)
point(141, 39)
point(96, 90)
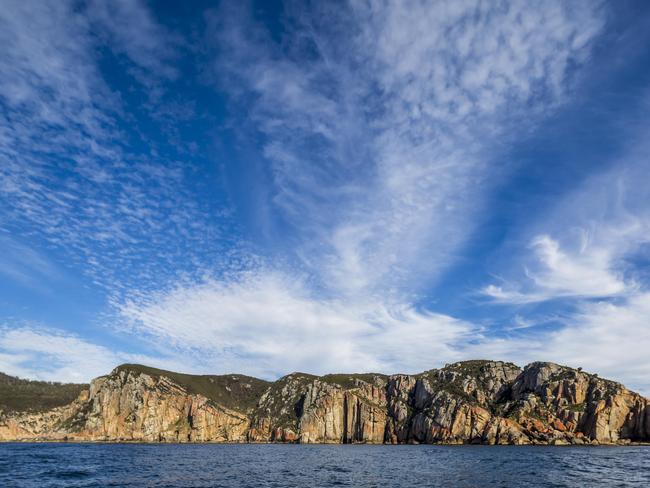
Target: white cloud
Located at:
point(611, 339)
point(134, 32)
point(268, 323)
point(509, 295)
point(53, 355)
point(378, 120)
point(69, 177)
point(588, 239)
point(587, 272)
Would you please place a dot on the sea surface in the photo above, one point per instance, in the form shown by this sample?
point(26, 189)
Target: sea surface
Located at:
point(214, 465)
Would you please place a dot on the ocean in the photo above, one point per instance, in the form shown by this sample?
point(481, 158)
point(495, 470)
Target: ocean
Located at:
point(246, 465)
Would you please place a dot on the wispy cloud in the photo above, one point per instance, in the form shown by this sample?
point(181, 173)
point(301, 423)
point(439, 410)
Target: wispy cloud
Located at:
point(376, 125)
point(596, 259)
point(267, 324)
point(73, 175)
point(53, 355)
point(585, 273)
point(592, 235)
point(129, 29)
point(378, 121)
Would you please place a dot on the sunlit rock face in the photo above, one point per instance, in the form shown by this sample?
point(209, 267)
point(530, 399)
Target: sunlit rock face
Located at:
point(481, 402)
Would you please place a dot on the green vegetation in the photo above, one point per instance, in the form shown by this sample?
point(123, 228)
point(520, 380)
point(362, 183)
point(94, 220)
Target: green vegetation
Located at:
point(576, 407)
point(234, 391)
point(452, 387)
point(284, 400)
point(348, 381)
point(18, 395)
point(474, 367)
point(77, 421)
point(565, 374)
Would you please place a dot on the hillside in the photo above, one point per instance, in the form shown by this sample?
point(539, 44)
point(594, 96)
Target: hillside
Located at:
point(236, 391)
point(478, 402)
point(18, 395)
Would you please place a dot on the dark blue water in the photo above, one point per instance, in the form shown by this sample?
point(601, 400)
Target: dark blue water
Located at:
point(133, 465)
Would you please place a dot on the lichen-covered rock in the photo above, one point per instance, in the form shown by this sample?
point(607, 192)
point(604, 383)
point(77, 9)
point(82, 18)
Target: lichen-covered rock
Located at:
point(571, 403)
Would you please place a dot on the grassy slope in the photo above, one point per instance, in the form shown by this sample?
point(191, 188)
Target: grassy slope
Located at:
point(347, 381)
point(18, 395)
point(235, 391)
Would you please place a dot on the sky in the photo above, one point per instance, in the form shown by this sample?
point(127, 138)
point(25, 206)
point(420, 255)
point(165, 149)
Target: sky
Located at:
point(268, 187)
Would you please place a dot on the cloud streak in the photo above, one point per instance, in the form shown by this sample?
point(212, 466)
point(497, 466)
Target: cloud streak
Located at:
point(53, 355)
point(596, 262)
point(268, 324)
point(73, 176)
point(377, 121)
point(593, 236)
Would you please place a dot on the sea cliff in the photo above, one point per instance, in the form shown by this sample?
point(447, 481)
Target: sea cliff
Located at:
point(478, 402)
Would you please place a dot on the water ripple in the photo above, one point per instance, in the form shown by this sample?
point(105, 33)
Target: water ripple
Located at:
point(280, 466)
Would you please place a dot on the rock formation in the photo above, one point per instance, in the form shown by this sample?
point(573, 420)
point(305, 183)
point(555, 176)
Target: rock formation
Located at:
point(481, 402)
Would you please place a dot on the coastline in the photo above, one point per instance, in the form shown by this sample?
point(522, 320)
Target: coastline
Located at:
point(212, 443)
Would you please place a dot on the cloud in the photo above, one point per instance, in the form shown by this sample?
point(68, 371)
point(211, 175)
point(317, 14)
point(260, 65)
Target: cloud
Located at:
point(596, 260)
point(132, 30)
point(602, 337)
point(378, 121)
point(73, 176)
point(54, 355)
point(268, 323)
point(591, 240)
point(586, 273)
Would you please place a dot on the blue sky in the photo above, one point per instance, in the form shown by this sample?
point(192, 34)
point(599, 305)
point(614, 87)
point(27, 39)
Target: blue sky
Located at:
point(271, 187)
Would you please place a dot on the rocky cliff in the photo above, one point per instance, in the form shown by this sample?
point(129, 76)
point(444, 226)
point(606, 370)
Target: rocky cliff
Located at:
point(482, 402)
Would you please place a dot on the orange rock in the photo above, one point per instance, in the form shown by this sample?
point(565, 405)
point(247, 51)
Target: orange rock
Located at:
point(558, 425)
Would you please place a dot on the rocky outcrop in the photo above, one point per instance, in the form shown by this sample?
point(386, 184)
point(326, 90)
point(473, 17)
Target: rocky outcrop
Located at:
point(50, 424)
point(453, 405)
point(138, 407)
point(131, 405)
point(482, 402)
point(557, 403)
point(333, 414)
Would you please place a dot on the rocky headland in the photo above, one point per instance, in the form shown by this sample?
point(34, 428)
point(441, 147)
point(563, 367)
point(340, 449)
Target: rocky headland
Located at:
point(470, 402)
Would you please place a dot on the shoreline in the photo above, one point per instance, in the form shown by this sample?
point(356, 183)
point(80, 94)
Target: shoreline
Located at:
point(450, 444)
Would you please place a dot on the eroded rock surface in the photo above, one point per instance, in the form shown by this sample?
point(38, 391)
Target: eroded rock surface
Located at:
point(483, 402)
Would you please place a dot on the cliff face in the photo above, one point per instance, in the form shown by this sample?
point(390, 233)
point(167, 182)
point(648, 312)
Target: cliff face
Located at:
point(132, 406)
point(487, 402)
